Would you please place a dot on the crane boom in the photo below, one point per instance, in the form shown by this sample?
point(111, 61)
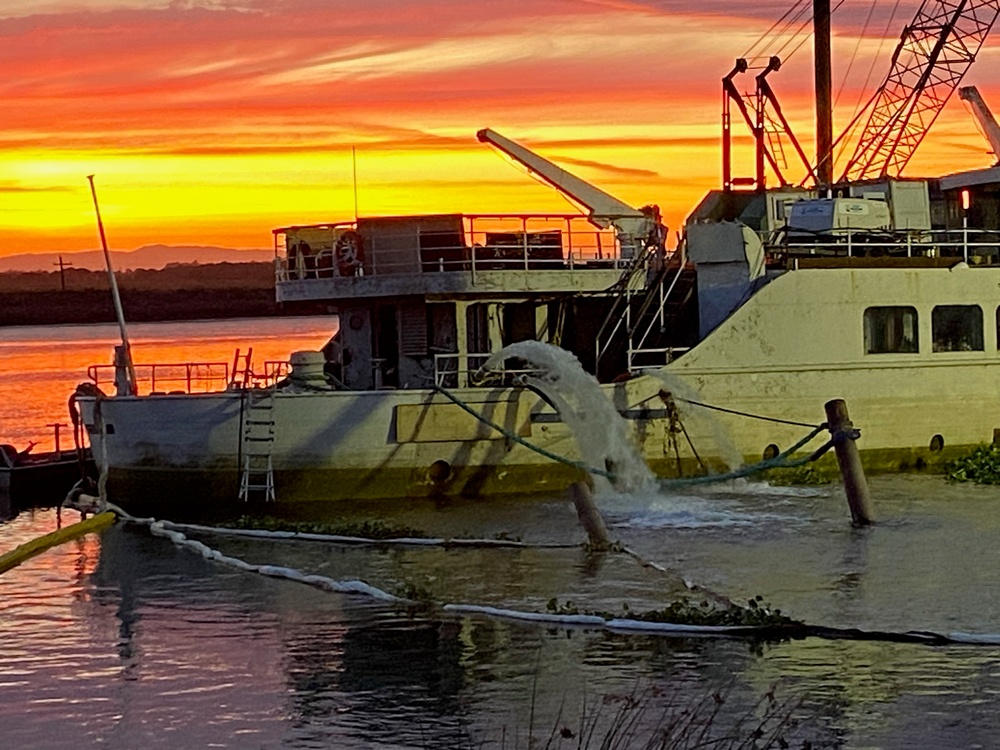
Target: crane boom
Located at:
point(934, 52)
point(986, 120)
point(604, 209)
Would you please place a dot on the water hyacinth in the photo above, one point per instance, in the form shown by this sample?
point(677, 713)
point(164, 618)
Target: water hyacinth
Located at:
point(982, 466)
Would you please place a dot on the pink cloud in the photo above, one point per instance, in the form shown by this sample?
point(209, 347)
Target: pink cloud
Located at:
point(234, 78)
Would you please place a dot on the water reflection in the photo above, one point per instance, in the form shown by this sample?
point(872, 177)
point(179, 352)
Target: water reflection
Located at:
point(124, 640)
point(40, 366)
point(127, 640)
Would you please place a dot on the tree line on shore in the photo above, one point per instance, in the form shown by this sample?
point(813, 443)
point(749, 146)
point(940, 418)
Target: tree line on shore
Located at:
point(177, 292)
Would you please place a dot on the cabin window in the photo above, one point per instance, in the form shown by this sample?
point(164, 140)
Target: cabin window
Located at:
point(890, 330)
point(957, 328)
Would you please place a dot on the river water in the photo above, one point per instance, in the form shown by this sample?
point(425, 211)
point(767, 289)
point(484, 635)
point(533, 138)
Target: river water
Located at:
point(125, 640)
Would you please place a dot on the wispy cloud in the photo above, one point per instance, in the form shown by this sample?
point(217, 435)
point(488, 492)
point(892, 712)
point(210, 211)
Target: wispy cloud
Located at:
point(609, 86)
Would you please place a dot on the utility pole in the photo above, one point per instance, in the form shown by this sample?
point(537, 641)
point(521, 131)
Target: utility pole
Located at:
point(824, 100)
point(62, 272)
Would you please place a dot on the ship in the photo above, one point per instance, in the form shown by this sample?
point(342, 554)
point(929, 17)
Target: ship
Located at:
point(717, 353)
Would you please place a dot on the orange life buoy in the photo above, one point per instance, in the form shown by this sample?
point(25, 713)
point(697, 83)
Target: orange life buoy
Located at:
point(350, 250)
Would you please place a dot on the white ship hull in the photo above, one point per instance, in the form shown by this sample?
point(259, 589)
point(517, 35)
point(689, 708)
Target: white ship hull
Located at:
point(796, 344)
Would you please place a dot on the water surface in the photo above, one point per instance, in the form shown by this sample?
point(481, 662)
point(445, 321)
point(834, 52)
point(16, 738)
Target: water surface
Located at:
point(125, 640)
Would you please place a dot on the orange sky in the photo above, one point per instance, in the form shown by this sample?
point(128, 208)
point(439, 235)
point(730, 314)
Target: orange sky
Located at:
point(212, 121)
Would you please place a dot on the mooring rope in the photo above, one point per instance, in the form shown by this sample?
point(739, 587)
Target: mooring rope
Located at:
point(747, 414)
point(781, 461)
point(609, 475)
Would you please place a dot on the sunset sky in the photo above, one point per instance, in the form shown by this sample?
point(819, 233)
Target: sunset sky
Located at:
point(213, 121)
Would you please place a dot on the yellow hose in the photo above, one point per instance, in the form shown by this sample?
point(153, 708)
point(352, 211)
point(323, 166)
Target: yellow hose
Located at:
point(36, 546)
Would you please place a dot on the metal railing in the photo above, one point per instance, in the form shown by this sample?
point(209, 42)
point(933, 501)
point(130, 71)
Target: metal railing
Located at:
point(274, 370)
point(189, 377)
point(169, 377)
point(448, 372)
point(475, 243)
point(978, 246)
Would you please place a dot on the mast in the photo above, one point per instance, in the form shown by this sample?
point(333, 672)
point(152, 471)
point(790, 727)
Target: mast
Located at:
point(824, 102)
point(115, 296)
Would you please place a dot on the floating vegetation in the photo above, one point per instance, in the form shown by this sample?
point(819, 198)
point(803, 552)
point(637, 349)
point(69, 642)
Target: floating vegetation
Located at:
point(362, 529)
point(420, 600)
point(506, 536)
point(981, 466)
point(757, 613)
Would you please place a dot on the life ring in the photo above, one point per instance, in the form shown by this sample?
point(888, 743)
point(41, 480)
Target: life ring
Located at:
point(350, 252)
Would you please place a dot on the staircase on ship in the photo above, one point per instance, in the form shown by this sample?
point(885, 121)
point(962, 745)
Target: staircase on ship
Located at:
point(653, 319)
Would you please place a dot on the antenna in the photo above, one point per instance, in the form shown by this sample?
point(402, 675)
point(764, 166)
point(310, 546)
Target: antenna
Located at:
point(354, 168)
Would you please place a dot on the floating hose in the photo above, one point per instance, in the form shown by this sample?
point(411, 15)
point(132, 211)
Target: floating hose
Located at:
point(36, 546)
point(793, 630)
point(789, 631)
point(357, 541)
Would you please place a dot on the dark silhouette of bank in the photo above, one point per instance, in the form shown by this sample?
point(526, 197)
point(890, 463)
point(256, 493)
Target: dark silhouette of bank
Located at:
point(178, 292)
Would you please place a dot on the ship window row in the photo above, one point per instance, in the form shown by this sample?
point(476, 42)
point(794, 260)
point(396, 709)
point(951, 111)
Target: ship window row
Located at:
point(954, 328)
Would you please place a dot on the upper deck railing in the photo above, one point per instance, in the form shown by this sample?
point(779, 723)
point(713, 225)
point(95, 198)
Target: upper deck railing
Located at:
point(393, 246)
point(974, 246)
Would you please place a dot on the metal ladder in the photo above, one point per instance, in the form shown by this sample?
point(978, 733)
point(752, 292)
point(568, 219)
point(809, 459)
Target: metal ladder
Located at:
point(242, 372)
point(257, 478)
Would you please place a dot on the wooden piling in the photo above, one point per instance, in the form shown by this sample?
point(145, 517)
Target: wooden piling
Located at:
point(590, 517)
point(851, 471)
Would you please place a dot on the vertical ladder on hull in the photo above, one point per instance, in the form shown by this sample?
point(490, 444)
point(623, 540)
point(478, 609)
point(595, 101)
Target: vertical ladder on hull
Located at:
point(257, 477)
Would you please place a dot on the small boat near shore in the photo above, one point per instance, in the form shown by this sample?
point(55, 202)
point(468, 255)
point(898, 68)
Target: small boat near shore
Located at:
point(38, 480)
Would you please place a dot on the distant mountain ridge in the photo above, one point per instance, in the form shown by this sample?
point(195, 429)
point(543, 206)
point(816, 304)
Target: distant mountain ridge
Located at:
point(149, 256)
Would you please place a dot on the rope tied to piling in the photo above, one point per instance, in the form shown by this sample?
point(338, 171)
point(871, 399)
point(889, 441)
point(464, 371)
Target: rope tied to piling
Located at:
point(781, 461)
point(738, 413)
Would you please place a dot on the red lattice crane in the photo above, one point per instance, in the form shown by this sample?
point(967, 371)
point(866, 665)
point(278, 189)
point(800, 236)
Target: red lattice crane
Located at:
point(933, 54)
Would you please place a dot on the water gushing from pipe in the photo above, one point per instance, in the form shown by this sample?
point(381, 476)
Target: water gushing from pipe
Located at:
point(599, 429)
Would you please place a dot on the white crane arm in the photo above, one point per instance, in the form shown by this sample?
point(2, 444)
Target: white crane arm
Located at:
point(987, 122)
point(605, 210)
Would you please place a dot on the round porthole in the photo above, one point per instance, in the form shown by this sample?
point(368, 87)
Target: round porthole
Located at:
point(439, 471)
point(771, 451)
point(937, 444)
point(357, 322)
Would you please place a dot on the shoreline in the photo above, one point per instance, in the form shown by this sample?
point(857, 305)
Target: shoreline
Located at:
point(173, 294)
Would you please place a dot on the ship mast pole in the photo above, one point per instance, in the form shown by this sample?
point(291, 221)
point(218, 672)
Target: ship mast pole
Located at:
point(114, 291)
point(824, 102)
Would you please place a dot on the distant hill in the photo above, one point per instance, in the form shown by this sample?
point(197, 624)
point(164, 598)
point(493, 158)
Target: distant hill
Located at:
point(150, 256)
